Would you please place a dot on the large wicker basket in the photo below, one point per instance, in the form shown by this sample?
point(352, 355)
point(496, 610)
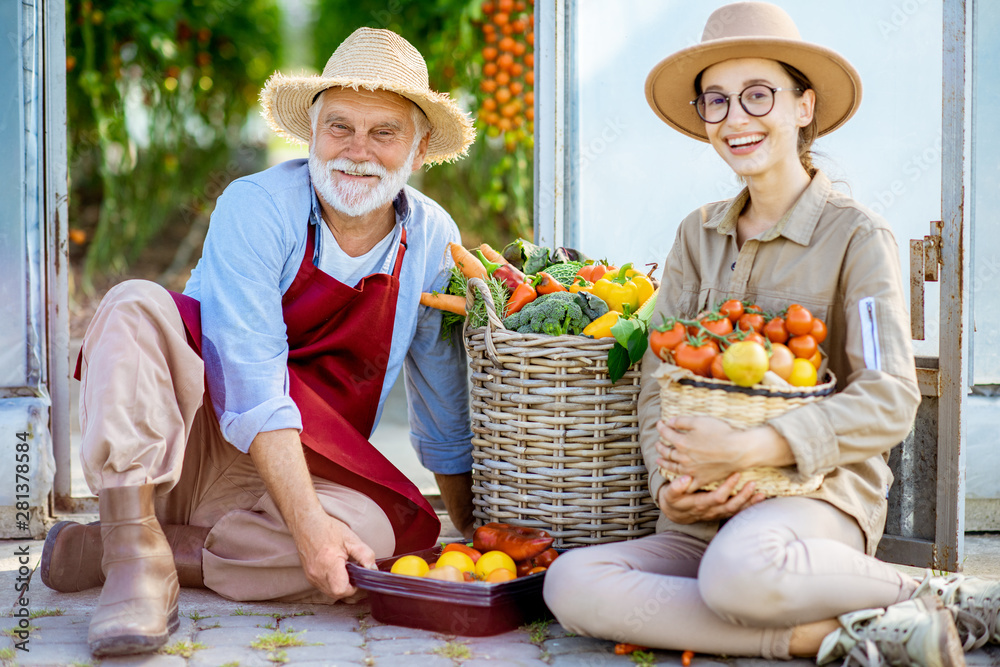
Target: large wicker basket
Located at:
point(555, 441)
point(684, 394)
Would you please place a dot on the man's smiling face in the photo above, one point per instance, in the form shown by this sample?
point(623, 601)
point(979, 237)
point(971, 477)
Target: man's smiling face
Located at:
point(363, 148)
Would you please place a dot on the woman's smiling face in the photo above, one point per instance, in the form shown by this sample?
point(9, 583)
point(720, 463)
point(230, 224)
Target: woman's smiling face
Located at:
point(754, 145)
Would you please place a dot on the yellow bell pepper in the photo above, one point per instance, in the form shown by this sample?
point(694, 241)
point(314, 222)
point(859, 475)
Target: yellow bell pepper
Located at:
point(641, 280)
point(581, 284)
point(601, 327)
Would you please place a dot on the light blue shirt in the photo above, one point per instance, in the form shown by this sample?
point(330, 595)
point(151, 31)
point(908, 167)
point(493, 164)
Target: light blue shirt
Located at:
point(252, 253)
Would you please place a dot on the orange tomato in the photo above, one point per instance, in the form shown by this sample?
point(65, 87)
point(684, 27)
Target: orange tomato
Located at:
point(500, 574)
point(803, 347)
point(668, 339)
point(490, 53)
point(751, 320)
point(775, 330)
point(697, 358)
point(818, 330)
point(718, 372)
point(733, 309)
point(798, 320)
point(536, 570)
point(816, 360)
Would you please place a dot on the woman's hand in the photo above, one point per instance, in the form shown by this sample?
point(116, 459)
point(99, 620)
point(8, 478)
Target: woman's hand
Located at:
point(680, 503)
point(709, 450)
point(704, 448)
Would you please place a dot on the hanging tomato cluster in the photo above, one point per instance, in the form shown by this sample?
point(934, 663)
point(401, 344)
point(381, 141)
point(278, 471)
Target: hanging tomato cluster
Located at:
point(507, 86)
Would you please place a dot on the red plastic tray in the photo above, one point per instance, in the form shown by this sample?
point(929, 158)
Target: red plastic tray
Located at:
point(470, 609)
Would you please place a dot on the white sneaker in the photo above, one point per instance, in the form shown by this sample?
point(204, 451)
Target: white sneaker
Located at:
point(919, 632)
point(973, 601)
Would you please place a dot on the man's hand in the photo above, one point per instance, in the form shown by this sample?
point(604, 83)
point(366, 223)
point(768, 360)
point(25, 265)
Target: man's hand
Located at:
point(680, 503)
point(324, 543)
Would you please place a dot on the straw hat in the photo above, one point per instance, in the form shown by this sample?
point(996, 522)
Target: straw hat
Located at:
point(372, 59)
point(752, 30)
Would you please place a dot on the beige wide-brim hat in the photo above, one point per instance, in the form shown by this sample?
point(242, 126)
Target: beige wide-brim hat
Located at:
point(752, 30)
point(372, 59)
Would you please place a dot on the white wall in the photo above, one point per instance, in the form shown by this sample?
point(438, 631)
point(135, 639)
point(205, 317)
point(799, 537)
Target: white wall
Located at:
point(639, 178)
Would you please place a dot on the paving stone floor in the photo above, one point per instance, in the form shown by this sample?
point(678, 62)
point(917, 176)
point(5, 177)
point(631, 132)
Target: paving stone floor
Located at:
point(215, 632)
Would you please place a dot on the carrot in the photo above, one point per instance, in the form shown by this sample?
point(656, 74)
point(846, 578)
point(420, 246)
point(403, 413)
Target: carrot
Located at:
point(468, 263)
point(450, 302)
point(625, 649)
point(492, 254)
point(686, 658)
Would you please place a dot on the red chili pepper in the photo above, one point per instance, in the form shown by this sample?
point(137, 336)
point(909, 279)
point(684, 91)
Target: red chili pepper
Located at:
point(545, 558)
point(523, 295)
point(546, 284)
point(518, 542)
point(505, 272)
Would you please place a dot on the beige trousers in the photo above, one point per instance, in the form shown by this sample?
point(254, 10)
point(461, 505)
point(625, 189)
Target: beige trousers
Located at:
point(782, 563)
point(146, 418)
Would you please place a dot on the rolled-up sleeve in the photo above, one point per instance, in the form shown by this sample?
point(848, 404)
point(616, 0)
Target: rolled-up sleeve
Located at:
point(437, 389)
point(876, 409)
point(244, 341)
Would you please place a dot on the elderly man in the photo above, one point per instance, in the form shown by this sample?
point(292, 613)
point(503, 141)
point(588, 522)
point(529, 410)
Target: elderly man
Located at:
point(293, 327)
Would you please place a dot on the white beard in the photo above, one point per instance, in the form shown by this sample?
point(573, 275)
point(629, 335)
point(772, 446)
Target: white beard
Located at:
point(357, 199)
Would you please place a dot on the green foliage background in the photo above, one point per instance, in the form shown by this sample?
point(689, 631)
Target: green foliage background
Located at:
point(159, 93)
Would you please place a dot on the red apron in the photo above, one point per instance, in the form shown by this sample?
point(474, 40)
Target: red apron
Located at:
point(339, 339)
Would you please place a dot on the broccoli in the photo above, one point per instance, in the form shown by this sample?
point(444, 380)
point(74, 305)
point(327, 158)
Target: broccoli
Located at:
point(553, 314)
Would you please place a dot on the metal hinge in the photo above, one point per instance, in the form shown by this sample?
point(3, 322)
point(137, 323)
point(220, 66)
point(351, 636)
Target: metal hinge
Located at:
point(925, 260)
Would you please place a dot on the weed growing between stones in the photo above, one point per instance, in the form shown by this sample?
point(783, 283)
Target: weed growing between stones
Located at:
point(183, 648)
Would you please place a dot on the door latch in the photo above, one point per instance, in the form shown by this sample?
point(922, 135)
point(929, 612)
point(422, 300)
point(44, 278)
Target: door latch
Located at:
point(925, 260)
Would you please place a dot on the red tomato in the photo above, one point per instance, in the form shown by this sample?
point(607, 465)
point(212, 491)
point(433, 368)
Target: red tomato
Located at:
point(720, 326)
point(803, 347)
point(666, 340)
point(818, 330)
point(751, 320)
point(717, 371)
point(755, 337)
point(775, 330)
point(697, 358)
point(732, 309)
point(798, 320)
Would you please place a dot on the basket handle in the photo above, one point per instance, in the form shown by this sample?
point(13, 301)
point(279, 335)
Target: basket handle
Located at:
point(493, 320)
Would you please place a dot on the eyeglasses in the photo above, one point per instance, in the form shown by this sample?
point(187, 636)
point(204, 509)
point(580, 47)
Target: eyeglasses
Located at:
point(757, 100)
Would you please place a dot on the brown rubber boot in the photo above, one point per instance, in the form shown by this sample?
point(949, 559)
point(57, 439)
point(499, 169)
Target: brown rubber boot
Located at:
point(456, 492)
point(137, 609)
point(71, 557)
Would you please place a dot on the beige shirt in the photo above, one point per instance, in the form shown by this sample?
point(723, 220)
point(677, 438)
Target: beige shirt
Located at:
point(839, 260)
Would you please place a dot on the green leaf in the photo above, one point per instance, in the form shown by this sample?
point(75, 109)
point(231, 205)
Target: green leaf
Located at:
point(637, 344)
point(618, 362)
point(623, 330)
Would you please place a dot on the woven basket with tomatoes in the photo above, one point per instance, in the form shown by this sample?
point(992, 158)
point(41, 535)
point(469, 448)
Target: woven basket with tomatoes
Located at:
point(744, 366)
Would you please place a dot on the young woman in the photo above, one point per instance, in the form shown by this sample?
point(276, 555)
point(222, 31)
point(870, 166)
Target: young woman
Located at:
point(732, 572)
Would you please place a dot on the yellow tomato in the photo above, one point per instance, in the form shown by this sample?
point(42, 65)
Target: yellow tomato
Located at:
point(491, 560)
point(413, 566)
point(803, 373)
point(745, 363)
point(458, 560)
